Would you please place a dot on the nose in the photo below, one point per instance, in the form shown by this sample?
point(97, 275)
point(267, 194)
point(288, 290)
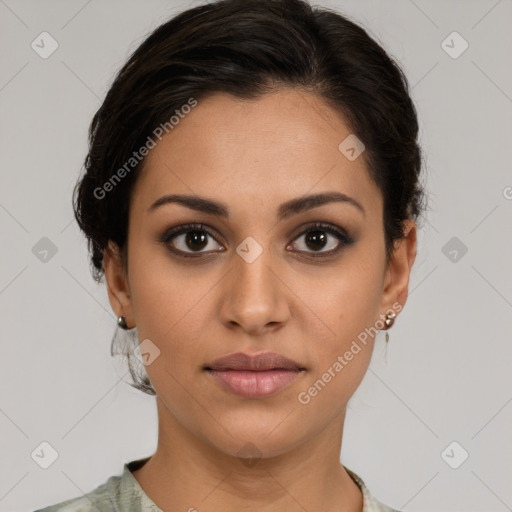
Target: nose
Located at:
point(254, 296)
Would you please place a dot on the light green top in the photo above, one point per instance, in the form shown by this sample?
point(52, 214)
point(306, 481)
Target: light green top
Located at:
point(124, 494)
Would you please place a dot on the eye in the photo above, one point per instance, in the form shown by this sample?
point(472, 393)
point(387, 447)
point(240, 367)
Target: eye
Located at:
point(189, 239)
point(196, 240)
point(322, 240)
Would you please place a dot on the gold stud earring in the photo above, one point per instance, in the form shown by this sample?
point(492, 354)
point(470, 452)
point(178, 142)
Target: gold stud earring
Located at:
point(390, 320)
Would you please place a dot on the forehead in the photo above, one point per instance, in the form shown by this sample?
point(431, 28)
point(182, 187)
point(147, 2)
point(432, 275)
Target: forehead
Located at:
point(279, 146)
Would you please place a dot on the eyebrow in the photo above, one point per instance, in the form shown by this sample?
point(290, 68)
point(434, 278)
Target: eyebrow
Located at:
point(287, 209)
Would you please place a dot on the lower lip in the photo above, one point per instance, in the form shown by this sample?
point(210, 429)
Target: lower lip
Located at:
point(251, 384)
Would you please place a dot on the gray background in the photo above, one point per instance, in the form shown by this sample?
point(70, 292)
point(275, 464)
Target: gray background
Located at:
point(446, 374)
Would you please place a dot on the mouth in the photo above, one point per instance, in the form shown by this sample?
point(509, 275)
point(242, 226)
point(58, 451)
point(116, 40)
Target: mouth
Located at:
point(256, 376)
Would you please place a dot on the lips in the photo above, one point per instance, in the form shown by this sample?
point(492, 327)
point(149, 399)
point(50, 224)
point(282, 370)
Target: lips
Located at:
point(258, 362)
point(255, 376)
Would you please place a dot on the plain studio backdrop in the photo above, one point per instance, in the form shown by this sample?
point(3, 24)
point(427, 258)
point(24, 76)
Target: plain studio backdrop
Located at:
point(429, 427)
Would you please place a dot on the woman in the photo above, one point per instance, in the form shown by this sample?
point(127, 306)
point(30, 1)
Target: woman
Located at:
point(251, 196)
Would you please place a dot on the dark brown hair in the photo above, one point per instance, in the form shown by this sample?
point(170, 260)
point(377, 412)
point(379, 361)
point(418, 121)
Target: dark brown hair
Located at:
point(247, 48)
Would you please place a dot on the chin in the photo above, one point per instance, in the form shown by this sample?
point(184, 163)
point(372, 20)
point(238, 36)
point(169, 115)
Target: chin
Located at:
point(252, 438)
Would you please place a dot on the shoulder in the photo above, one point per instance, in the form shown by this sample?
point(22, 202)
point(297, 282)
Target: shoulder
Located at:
point(370, 503)
point(118, 493)
point(100, 498)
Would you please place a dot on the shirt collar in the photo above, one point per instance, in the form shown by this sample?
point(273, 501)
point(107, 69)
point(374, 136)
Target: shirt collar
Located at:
point(131, 495)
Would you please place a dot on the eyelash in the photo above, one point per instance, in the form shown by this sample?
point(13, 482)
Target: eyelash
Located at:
point(344, 239)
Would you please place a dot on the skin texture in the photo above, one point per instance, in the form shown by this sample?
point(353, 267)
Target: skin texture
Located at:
point(254, 155)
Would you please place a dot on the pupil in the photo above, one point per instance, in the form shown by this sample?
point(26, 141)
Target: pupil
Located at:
point(316, 237)
point(196, 237)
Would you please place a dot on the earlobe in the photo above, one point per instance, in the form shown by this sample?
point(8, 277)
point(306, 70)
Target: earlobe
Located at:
point(117, 282)
point(396, 284)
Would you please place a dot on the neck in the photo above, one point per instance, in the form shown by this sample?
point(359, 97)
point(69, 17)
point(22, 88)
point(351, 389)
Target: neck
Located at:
point(186, 473)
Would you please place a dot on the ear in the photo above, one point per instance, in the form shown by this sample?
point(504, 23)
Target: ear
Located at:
point(396, 280)
point(117, 283)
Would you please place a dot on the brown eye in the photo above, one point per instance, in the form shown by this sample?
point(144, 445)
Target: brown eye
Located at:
point(187, 240)
point(316, 240)
point(319, 237)
point(196, 240)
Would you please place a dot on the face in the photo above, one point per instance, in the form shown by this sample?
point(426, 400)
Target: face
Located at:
point(264, 268)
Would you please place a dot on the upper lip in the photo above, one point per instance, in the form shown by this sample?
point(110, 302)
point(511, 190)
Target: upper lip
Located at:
point(259, 362)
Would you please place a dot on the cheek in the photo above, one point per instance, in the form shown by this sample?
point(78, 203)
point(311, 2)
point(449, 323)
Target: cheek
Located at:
point(341, 359)
point(162, 291)
point(171, 309)
point(349, 306)
point(350, 301)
